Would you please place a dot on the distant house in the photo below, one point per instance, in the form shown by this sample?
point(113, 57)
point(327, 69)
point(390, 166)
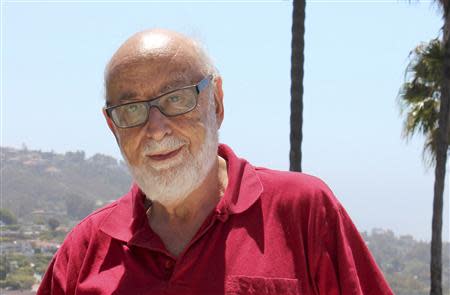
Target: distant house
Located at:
point(12, 234)
point(17, 292)
point(36, 213)
point(44, 246)
point(22, 247)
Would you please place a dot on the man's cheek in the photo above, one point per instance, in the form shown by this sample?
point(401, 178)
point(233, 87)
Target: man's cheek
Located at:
point(130, 149)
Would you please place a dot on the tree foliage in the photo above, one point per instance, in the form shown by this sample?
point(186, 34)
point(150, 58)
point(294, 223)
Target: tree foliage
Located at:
point(7, 216)
point(4, 267)
point(53, 223)
point(78, 207)
point(420, 95)
point(405, 262)
point(19, 277)
point(47, 180)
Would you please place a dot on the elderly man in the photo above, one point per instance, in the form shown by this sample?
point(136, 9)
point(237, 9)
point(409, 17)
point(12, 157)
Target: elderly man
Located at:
point(200, 220)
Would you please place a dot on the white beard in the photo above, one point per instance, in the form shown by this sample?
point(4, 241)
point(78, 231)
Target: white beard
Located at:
point(173, 180)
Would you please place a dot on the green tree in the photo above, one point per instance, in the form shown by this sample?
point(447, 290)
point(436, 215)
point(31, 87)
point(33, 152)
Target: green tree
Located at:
point(78, 207)
point(4, 267)
point(41, 261)
point(297, 61)
point(53, 223)
point(19, 277)
point(19, 281)
point(427, 99)
point(441, 158)
point(420, 96)
point(7, 216)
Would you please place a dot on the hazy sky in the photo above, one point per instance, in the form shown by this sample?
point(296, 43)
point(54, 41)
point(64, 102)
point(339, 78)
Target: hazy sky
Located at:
point(54, 53)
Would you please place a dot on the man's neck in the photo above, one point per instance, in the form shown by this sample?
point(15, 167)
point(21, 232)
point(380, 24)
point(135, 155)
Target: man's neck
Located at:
point(205, 197)
point(177, 223)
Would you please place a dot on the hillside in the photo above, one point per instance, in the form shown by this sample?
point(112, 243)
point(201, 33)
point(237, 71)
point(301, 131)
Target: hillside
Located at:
point(405, 262)
point(44, 187)
point(35, 182)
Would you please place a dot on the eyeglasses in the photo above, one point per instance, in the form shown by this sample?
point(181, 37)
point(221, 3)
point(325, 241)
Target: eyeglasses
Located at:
point(174, 103)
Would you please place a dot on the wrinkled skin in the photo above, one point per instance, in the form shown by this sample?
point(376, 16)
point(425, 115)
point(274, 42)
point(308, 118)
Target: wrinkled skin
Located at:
point(148, 64)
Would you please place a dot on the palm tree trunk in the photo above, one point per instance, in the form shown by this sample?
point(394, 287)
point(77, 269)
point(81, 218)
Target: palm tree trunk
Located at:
point(441, 161)
point(297, 61)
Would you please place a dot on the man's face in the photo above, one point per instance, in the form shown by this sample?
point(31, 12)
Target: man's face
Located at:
point(168, 157)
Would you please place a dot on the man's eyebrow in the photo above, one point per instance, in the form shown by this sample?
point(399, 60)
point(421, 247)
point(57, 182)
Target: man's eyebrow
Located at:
point(175, 84)
point(127, 96)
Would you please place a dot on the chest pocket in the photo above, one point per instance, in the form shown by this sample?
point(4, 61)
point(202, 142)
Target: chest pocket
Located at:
point(240, 285)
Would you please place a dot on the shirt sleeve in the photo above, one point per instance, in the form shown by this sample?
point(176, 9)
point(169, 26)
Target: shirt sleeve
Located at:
point(345, 266)
point(46, 287)
point(57, 278)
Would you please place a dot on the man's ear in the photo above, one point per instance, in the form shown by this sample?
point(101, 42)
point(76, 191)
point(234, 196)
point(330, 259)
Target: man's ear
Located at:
point(218, 98)
point(110, 123)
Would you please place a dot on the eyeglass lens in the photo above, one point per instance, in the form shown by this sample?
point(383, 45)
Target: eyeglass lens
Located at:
point(171, 104)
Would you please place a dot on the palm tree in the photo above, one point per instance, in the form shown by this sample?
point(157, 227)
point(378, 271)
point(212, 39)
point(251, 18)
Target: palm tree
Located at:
point(420, 96)
point(297, 60)
point(441, 158)
point(427, 98)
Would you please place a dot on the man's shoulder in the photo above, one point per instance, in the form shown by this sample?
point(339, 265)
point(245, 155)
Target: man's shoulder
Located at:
point(91, 224)
point(295, 188)
point(289, 181)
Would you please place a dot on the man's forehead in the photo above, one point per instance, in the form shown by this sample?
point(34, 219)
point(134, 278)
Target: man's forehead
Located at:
point(172, 67)
point(125, 87)
point(169, 61)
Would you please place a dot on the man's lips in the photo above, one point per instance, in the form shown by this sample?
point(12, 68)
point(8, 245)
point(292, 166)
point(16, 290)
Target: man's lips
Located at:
point(160, 157)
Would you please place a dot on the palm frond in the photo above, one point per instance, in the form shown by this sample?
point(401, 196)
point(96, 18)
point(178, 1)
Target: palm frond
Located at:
point(419, 96)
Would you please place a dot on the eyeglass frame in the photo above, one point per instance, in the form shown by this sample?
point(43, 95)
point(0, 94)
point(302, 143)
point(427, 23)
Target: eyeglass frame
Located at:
point(199, 87)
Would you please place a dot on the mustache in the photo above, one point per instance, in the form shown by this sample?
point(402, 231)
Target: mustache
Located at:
point(168, 143)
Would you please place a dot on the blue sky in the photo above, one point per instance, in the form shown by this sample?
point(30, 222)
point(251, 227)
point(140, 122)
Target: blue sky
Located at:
point(54, 53)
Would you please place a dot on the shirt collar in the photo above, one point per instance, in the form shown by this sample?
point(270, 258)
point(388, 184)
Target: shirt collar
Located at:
point(244, 186)
point(128, 218)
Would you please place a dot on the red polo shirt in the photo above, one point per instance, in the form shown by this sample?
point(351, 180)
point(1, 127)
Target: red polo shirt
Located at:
point(272, 232)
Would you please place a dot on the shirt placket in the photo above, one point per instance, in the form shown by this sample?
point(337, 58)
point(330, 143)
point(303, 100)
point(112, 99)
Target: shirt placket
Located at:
point(172, 266)
point(168, 267)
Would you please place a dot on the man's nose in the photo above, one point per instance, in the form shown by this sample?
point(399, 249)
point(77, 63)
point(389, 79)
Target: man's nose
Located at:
point(157, 125)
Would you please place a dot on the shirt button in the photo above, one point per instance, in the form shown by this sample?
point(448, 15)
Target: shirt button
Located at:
point(169, 264)
point(222, 216)
point(168, 268)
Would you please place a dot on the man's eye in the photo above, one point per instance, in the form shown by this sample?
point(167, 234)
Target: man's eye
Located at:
point(175, 98)
point(131, 108)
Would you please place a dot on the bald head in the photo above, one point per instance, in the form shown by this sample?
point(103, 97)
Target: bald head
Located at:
point(166, 52)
